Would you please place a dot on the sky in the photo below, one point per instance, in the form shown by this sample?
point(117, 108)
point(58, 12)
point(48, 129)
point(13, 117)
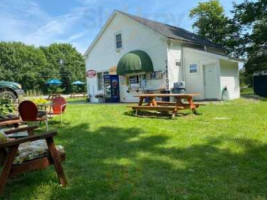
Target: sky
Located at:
point(42, 22)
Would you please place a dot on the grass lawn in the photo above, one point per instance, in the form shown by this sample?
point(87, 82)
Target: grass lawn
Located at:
point(220, 154)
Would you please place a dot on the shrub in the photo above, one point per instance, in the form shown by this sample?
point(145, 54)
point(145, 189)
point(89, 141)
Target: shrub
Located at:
point(5, 107)
point(39, 101)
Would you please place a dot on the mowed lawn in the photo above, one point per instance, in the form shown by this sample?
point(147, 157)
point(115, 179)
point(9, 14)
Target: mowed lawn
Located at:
point(219, 154)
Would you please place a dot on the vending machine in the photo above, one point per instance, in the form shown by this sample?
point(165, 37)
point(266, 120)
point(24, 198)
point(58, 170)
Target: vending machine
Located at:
point(111, 88)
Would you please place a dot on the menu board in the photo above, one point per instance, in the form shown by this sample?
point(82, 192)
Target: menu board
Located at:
point(133, 79)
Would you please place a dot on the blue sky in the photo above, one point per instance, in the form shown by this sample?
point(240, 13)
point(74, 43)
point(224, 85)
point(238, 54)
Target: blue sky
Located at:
point(42, 22)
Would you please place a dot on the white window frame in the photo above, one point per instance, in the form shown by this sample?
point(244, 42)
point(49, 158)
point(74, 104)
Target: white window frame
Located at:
point(116, 47)
point(197, 68)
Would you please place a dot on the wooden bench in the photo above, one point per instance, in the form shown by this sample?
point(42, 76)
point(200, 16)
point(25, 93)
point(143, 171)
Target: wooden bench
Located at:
point(166, 103)
point(172, 109)
point(74, 95)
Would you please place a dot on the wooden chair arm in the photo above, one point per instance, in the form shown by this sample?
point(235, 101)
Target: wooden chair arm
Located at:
point(9, 119)
point(18, 130)
point(28, 139)
point(8, 122)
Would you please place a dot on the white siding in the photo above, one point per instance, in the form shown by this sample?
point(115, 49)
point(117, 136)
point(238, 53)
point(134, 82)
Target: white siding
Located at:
point(230, 78)
point(194, 82)
point(175, 72)
point(135, 36)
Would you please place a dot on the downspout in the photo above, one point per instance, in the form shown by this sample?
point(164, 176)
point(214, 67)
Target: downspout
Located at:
point(167, 67)
point(182, 64)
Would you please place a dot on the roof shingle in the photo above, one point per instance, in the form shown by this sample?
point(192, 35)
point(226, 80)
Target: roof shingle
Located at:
point(173, 32)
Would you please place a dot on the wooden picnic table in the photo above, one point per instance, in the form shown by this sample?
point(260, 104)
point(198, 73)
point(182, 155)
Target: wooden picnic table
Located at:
point(182, 102)
point(78, 95)
point(44, 106)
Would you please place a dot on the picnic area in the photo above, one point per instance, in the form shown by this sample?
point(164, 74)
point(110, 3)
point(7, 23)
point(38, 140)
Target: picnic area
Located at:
point(138, 100)
point(166, 106)
point(112, 154)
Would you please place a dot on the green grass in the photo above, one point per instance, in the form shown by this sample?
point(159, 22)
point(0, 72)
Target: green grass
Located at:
point(247, 91)
point(220, 154)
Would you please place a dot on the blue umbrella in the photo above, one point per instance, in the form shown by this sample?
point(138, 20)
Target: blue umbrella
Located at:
point(54, 82)
point(78, 83)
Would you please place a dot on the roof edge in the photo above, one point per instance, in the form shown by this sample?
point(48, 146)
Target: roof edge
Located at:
point(217, 46)
point(99, 34)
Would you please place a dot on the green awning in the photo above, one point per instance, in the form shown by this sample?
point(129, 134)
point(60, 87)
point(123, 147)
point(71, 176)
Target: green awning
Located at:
point(134, 62)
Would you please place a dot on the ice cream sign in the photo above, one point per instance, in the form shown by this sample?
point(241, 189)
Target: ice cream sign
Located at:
point(91, 73)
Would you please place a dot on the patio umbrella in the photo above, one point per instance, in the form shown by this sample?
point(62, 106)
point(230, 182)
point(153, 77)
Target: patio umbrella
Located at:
point(54, 82)
point(78, 83)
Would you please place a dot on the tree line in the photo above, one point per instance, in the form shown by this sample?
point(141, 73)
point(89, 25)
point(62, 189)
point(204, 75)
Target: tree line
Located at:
point(34, 66)
point(242, 35)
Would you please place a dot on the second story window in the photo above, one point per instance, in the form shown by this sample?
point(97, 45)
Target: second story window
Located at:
point(118, 41)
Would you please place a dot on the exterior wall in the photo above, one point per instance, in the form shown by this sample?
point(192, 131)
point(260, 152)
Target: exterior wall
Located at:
point(194, 82)
point(175, 72)
point(230, 78)
point(135, 36)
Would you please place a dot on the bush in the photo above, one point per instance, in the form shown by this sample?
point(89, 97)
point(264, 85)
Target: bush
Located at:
point(5, 107)
point(39, 101)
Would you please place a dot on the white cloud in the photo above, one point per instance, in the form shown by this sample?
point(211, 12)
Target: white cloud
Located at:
point(77, 36)
point(28, 23)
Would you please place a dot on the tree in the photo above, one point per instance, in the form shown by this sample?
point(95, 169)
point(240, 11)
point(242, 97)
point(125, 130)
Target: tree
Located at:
point(21, 63)
point(212, 24)
point(32, 66)
point(244, 35)
point(65, 63)
point(251, 17)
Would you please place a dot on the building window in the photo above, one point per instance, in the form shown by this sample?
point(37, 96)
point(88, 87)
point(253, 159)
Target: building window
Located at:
point(134, 79)
point(118, 41)
point(154, 75)
point(193, 68)
point(177, 63)
point(100, 80)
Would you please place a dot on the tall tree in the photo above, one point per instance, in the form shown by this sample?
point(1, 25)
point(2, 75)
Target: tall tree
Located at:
point(32, 66)
point(251, 17)
point(66, 63)
point(212, 24)
point(21, 63)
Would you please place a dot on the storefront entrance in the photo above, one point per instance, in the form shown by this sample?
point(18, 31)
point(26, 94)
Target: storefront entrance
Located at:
point(111, 88)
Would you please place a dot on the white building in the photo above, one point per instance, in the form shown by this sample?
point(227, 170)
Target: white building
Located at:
point(150, 56)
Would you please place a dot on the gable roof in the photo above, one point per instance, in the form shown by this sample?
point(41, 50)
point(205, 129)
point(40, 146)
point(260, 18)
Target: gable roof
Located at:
point(172, 32)
point(168, 31)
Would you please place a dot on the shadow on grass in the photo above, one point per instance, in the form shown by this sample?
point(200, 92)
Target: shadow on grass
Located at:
point(125, 163)
point(253, 97)
point(154, 115)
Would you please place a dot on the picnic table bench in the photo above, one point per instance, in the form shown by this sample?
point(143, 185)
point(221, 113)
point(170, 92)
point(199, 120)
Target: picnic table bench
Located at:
point(75, 95)
point(182, 102)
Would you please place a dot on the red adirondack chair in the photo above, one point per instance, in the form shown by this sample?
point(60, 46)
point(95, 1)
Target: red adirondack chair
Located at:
point(28, 112)
point(59, 105)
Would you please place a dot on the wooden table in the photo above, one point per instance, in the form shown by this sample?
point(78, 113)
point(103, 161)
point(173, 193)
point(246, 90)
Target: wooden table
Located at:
point(182, 102)
point(45, 106)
